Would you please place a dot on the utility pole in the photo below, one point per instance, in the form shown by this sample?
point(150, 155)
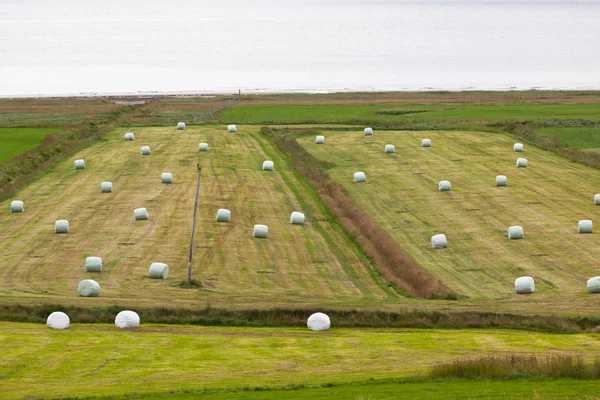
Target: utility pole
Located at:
point(189, 274)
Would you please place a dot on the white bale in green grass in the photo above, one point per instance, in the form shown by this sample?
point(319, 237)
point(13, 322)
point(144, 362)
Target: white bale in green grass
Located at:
point(524, 285)
point(444, 186)
point(584, 226)
point(145, 150)
point(390, 148)
point(61, 226)
point(17, 206)
point(106, 187)
point(140, 214)
point(127, 320)
point(129, 136)
point(320, 139)
point(166, 177)
point(593, 284)
point(223, 215)
point(261, 231)
point(203, 147)
point(58, 320)
point(368, 131)
point(268, 165)
point(521, 162)
point(158, 271)
point(360, 177)
point(180, 126)
point(597, 199)
point(501, 180)
point(297, 218)
point(439, 241)
point(79, 164)
point(88, 288)
point(231, 128)
point(426, 143)
point(515, 232)
point(518, 147)
point(318, 322)
point(93, 264)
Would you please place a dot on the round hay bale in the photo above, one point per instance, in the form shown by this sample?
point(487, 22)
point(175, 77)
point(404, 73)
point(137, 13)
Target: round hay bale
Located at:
point(106, 187)
point(223, 215)
point(61, 226)
point(261, 231)
point(597, 199)
point(439, 241)
point(368, 131)
point(584, 226)
point(501, 180)
point(79, 164)
point(93, 264)
point(524, 285)
point(426, 143)
point(17, 206)
point(58, 320)
point(268, 165)
point(593, 284)
point(127, 320)
point(203, 147)
point(231, 128)
point(140, 214)
point(297, 218)
point(318, 322)
point(166, 177)
point(320, 140)
point(129, 136)
point(158, 271)
point(515, 232)
point(145, 150)
point(180, 126)
point(360, 177)
point(521, 162)
point(518, 147)
point(390, 148)
point(88, 288)
point(444, 186)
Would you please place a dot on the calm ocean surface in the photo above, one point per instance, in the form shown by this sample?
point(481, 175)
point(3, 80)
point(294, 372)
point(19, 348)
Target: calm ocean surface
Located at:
point(114, 46)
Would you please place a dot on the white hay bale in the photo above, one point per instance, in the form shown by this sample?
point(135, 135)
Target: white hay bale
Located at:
point(79, 164)
point(515, 232)
point(318, 322)
point(426, 143)
point(439, 241)
point(106, 187)
point(88, 288)
point(368, 131)
point(444, 186)
point(158, 271)
point(360, 177)
point(223, 215)
point(231, 128)
point(320, 140)
point(593, 284)
point(521, 162)
point(93, 264)
point(61, 226)
point(597, 199)
point(390, 148)
point(180, 126)
point(524, 285)
point(261, 231)
point(58, 320)
point(129, 136)
point(166, 177)
point(268, 165)
point(17, 206)
point(584, 226)
point(518, 147)
point(145, 150)
point(297, 218)
point(501, 180)
point(140, 214)
point(203, 147)
point(127, 320)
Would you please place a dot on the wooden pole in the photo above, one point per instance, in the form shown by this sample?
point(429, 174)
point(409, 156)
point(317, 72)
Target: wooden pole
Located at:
point(189, 274)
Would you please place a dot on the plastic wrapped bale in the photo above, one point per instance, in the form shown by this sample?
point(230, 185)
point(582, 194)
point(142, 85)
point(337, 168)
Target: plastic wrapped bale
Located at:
point(106, 187)
point(524, 285)
point(318, 322)
point(297, 218)
point(518, 147)
point(231, 128)
point(320, 140)
point(360, 177)
point(501, 180)
point(88, 288)
point(426, 143)
point(368, 131)
point(93, 264)
point(166, 177)
point(593, 284)
point(58, 320)
point(390, 148)
point(129, 136)
point(203, 147)
point(521, 162)
point(268, 165)
point(597, 199)
point(439, 241)
point(223, 215)
point(140, 214)
point(180, 126)
point(584, 226)
point(127, 320)
point(79, 164)
point(261, 231)
point(515, 232)
point(158, 271)
point(444, 186)
point(17, 206)
point(61, 226)
point(145, 150)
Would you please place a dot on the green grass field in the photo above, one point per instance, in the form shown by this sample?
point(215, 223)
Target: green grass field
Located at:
point(14, 141)
point(582, 138)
